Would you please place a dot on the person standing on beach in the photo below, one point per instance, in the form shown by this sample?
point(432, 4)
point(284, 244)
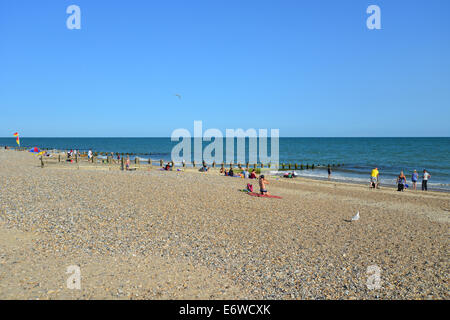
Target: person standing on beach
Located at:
point(262, 185)
point(90, 154)
point(414, 178)
point(374, 178)
point(329, 172)
point(401, 181)
point(425, 178)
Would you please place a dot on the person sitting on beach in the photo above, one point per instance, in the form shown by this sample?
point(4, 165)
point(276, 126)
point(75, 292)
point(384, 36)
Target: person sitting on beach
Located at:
point(253, 174)
point(401, 182)
point(374, 178)
point(414, 178)
point(203, 169)
point(262, 185)
point(231, 172)
point(245, 173)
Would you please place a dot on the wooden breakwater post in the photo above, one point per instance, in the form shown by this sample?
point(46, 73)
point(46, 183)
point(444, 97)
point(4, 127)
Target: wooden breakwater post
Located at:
point(193, 163)
point(150, 162)
point(161, 163)
point(42, 162)
point(214, 164)
point(121, 163)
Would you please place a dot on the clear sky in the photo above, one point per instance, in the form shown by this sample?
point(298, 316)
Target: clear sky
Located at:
point(308, 68)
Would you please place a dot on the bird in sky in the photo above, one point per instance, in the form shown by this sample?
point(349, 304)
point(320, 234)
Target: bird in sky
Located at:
point(179, 96)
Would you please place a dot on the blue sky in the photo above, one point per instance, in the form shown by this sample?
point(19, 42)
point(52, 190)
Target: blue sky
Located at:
point(308, 68)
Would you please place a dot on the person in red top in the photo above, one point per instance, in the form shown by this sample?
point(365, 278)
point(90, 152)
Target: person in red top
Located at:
point(253, 174)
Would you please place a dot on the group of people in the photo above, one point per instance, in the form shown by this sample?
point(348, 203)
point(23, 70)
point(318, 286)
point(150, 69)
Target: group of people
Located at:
point(72, 154)
point(402, 180)
point(244, 174)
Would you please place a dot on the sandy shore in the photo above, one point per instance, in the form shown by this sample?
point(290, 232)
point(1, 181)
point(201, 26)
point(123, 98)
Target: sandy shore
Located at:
point(153, 234)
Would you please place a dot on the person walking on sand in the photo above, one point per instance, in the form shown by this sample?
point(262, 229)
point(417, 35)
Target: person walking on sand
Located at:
point(401, 182)
point(329, 172)
point(425, 178)
point(374, 178)
point(414, 178)
point(262, 185)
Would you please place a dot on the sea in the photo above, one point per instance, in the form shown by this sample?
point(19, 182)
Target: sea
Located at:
point(358, 155)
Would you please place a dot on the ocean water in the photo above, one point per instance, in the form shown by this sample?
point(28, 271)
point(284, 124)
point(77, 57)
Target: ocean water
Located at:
point(359, 155)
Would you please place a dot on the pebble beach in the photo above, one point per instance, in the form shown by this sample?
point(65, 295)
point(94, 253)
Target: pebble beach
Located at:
point(151, 234)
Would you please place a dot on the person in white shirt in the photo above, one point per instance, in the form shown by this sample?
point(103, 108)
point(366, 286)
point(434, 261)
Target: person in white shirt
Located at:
point(425, 178)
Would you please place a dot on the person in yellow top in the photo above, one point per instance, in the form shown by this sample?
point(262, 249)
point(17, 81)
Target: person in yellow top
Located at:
point(374, 178)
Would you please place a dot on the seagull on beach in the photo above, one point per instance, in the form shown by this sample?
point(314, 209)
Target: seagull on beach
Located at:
point(355, 217)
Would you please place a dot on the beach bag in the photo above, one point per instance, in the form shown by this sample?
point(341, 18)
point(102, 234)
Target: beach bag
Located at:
point(249, 187)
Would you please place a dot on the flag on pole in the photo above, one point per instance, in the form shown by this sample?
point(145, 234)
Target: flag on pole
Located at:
point(17, 138)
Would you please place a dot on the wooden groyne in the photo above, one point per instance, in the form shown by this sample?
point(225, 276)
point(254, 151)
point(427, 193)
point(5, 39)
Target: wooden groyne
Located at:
point(119, 159)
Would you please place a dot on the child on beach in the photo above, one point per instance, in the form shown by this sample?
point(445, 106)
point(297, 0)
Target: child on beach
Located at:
point(262, 185)
point(128, 163)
